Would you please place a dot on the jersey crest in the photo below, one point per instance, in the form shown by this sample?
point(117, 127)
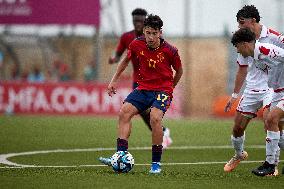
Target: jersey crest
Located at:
point(158, 59)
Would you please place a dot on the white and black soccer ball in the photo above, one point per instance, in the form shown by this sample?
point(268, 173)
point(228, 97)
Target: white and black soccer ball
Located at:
point(122, 162)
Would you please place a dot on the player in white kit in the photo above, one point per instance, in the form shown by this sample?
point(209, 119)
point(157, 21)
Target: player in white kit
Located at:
point(272, 56)
point(257, 93)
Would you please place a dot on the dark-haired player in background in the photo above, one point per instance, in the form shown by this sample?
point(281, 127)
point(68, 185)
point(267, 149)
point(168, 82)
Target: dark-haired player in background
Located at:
point(155, 59)
point(138, 18)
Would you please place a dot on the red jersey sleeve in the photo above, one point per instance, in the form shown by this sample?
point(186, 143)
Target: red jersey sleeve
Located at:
point(121, 45)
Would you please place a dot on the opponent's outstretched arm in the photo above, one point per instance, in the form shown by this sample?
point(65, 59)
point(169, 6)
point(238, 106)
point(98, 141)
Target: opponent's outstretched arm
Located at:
point(239, 81)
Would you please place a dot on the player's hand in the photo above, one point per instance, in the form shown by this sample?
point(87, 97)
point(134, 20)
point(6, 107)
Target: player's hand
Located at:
point(111, 89)
point(112, 60)
point(229, 104)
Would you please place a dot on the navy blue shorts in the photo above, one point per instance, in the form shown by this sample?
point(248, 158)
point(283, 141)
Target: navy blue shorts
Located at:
point(144, 100)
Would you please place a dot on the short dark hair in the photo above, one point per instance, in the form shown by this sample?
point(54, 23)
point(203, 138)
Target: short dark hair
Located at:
point(242, 35)
point(248, 11)
point(139, 11)
point(153, 21)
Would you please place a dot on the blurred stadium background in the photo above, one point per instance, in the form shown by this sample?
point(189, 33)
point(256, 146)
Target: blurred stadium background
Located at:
point(70, 43)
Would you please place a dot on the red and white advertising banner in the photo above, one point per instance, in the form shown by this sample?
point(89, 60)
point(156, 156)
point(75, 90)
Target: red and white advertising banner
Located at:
point(50, 12)
point(68, 98)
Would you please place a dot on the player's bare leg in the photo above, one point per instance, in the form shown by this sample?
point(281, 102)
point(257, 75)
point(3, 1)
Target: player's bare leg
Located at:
point(265, 115)
point(157, 139)
point(167, 140)
point(156, 122)
point(126, 112)
point(238, 138)
point(146, 118)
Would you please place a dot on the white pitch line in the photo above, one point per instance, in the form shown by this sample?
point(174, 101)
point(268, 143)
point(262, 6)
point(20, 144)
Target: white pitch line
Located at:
point(4, 157)
point(145, 164)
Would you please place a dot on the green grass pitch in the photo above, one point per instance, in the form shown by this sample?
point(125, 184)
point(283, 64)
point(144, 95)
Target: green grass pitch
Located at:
point(195, 160)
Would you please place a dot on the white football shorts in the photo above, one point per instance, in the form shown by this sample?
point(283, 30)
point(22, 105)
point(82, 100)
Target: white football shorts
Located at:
point(252, 100)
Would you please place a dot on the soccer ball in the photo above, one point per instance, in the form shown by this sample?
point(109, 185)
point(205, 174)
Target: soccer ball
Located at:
point(122, 162)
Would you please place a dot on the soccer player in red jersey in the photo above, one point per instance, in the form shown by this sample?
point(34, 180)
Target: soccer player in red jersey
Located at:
point(155, 59)
point(138, 18)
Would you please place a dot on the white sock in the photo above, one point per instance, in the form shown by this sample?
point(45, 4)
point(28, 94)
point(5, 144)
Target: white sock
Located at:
point(277, 155)
point(281, 141)
point(238, 144)
point(272, 140)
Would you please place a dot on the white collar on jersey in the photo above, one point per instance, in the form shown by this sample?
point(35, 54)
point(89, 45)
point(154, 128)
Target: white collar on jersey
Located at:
point(256, 51)
point(264, 31)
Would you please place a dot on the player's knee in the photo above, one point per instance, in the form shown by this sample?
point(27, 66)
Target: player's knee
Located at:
point(124, 114)
point(265, 114)
point(155, 120)
point(272, 120)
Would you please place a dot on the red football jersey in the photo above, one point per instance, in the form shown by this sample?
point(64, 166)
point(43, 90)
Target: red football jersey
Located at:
point(154, 66)
point(124, 42)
